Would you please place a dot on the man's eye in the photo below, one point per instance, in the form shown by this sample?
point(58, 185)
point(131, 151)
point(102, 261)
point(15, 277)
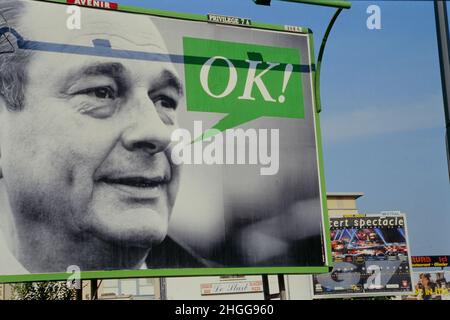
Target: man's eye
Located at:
point(165, 102)
point(98, 102)
point(100, 92)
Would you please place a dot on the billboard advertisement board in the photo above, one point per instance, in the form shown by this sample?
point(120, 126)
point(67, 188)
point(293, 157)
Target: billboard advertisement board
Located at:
point(430, 261)
point(371, 257)
point(137, 143)
point(433, 285)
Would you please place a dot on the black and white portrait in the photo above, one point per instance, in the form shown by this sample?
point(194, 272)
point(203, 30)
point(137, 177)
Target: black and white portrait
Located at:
point(87, 175)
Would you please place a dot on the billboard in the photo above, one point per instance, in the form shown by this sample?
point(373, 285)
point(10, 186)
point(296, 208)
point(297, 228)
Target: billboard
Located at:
point(371, 257)
point(231, 287)
point(433, 285)
point(138, 143)
point(430, 261)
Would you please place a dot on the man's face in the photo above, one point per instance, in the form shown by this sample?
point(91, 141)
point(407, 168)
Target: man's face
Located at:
point(88, 154)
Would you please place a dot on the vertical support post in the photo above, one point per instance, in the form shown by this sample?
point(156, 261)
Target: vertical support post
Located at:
point(266, 288)
point(440, 11)
point(163, 289)
point(282, 287)
point(94, 289)
point(79, 294)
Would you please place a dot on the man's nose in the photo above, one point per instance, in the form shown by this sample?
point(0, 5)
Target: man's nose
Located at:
point(147, 131)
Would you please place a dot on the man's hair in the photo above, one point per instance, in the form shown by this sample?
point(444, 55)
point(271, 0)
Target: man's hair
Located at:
point(13, 66)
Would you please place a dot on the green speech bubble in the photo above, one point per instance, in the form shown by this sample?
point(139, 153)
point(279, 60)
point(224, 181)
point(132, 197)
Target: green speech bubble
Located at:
point(246, 81)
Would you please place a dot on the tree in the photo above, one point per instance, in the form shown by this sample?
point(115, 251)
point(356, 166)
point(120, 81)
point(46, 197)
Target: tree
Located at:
point(43, 291)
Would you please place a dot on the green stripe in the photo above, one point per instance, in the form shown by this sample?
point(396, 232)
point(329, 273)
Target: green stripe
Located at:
point(326, 220)
point(163, 273)
point(184, 16)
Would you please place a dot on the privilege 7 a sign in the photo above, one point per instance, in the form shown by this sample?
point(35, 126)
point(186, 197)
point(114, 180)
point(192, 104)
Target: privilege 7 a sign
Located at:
point(245, 81)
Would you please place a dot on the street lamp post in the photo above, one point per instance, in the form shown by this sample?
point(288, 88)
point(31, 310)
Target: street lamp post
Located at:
point(327, 3)
point(340, 5)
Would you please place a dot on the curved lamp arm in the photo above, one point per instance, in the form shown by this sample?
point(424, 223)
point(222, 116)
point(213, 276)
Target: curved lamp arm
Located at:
point(319, 59)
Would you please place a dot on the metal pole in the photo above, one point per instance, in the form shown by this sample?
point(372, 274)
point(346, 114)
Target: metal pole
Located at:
point(440, 11)
point(94, 289)
point(266, 288)
point(162, 289)
point(282, 287)
point(326, 3)
point(320, 57)
point(79, 294)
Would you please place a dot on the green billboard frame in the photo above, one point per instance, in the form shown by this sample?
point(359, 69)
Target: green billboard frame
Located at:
point(186, 272)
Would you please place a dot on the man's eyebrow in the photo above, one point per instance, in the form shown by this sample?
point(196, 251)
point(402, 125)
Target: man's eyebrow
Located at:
point(113, 70)
point(117, 71)
point(168, 78)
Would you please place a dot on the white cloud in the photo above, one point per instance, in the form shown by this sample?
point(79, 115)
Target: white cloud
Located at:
point(367, 122)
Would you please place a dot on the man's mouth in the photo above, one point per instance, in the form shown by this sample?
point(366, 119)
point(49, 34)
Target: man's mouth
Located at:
point(136, 182)
point(137, 187)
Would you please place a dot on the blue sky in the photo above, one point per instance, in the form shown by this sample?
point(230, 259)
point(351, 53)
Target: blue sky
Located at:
point(382, 118)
